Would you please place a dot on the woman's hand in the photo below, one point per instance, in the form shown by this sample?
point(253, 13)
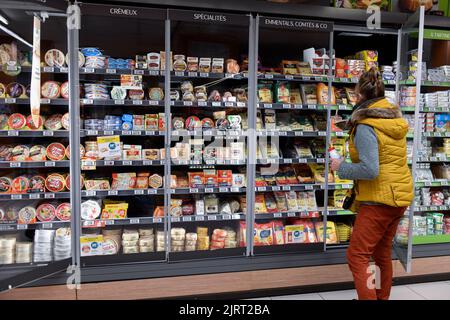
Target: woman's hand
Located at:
point(336, 163)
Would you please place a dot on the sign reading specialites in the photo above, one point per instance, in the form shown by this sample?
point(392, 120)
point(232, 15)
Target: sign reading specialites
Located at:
point(88, 9)
point(208, 17)
point(296, 24)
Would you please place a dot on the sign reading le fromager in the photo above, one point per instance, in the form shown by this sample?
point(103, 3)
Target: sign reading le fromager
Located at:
point(297, 24)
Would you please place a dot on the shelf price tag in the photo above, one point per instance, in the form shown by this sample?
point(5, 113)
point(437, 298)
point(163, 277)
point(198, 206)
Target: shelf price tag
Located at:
point(137, 71)
point(109, 163)
point(286, 188)
point(15, 164)
point(192, 74)
point(16, 196)
point(153, 73)
point(286, 106)
point(193, 190)
point(49, 196)
point(109, 222)
point(187, 103)
point(289, 77)
point(137, 102)
point(49, 163)
point(261, 188)
point(47, 225)
point(175, 219)
point(298, 133)
point(277, 215)
point(119, 101)
point(276, 188)
point(135, 221)
point(153, 102)
point(302, 160)
point(433, 208)
point(322, 133)
point(47, 133)
point(209, 190)
point(216, 104)
point(199, 218)
point(291, 214)
point(45, 101)
point(113, 193)
point(223, 190)
point(150, 191)
point(13, 133)
point(127, 162)
point(89, 70)
point(22, 227)
point(312, 106)
point(186, 218)
point(111, 71)
point(90, 193)
point(226, 217)
point(287, 160)
point(35, 196)
point(235, 189)
point(268, 76)
point(49, 69)
point(444, 183)
point(204, 74)
point(212, 218)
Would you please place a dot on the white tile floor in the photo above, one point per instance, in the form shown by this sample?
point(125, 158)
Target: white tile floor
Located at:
point(422, 291)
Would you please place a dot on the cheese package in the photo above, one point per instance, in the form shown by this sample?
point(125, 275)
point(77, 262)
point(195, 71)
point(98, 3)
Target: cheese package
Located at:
point(97, 184)
point(294, 234)
point(192, 64)
point(55, 183)
point(155, 181)
point(91, 245)
point(63, 211)
point(123, 181)
point(331, 232)
point(142, 181)
point(210, 178)
point(16, 121)
point(162, 65)
point(32, 126)
point(238, 180)
point(54, 122)
point(27, 215)
point(109, 147)
point(54, 58)
point(150, 154)
point(263, 234)
point(45, 212)
point(36, 184)
point(51, 90)
point(322, 94)
point(224, 178)
point(114, 210)
point(151, 122)
point(205, 65)
point(217, 65)
point(132, 152)
point(153, 61)
point(56, 151)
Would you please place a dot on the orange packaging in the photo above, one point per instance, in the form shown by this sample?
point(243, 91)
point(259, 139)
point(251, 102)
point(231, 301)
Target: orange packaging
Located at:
point(55, 183)
point(224, 178)
point(19, 185)
point(141, 182)
point(196, 179)
point(158, 212)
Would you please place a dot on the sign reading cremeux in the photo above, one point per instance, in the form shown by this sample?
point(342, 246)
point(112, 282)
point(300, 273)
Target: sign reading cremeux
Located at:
point(208, 17)
point(296, 24)
point(123, 12)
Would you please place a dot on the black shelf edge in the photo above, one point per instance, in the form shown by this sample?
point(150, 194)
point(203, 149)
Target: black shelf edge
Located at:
point(34, 226)
point(118, 259)
point(208, 218)
point(287, 248)
point(35, 196)
point(121, 193)
point(30, 133)
point(207, 254)
point(34, 164)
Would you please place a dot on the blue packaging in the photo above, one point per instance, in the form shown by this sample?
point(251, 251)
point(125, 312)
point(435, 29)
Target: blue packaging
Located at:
point(127, 125)
point(127, 117)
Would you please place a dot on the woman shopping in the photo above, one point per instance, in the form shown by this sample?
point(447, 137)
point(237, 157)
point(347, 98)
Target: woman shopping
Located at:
point(383, 185)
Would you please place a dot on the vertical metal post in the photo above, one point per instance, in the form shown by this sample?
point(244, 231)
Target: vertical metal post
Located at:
point(328, 141)
point(73, 25)
point(251, 136)
point(167, 137)
point(417, 133)
point(397, 75)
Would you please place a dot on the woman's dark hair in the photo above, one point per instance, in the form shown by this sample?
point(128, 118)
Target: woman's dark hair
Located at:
point(370, 85)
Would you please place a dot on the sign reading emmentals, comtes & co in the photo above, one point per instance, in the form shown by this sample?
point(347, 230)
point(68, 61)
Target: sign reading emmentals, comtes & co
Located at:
point(296, 24)
point(208, 17)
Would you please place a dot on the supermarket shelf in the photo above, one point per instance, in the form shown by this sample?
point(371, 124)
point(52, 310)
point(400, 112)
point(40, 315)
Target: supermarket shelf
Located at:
point(205, 254)
point(435, 109)
point(440, 183)
point(435, 84)
point(34, 226)
point(286, 248)
point(120, 102)
point(121, 222)
point(209, 217)
point(208, 162)
point(34, 196)
point(207, 75)
point(210, 133)
point(209, 104)
point(434, 159)
point(283, 215)
point(340, 212)
point(102, 71)
point(208, 190)
point(437, 134)
point(431, 208)
point(281, 133)
point(30, 133)
point(121, 193)
point(289, 160)
point(290, 106)
point(90, 133)
point(34, 164)
point(124, 163)
point(118, 259)
point(445, 238)
point(62, 102)
point(292, 187)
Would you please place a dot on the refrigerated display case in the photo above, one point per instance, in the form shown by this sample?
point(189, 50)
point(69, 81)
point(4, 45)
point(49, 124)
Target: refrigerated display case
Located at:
point(195, 125)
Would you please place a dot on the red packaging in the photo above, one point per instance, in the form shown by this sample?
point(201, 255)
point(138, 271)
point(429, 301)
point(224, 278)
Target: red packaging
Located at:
point(224, 178)
point(65, 90)
point(36, 184)
point(19, 185)
point(242, 234)
point(55, 182)
point(32, 126)
point(17, 121)
point(63, 211)
point(45, 212)
point(56, 151)
point(187, 209)
point(196, 179)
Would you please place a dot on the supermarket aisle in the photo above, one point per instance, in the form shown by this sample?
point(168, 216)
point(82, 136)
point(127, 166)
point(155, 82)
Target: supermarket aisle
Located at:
point(421, 291)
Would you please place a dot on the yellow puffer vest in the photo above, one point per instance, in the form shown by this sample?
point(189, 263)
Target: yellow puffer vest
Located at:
point(394, 184)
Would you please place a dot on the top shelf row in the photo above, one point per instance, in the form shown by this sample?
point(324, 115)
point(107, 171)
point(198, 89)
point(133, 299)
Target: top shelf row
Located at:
point(211, 75)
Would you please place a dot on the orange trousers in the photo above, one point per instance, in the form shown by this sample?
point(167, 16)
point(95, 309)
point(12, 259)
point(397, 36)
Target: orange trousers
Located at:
point(372, 236)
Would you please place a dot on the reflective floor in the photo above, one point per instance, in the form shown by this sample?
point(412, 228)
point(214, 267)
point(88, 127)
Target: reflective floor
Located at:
point(421, 291)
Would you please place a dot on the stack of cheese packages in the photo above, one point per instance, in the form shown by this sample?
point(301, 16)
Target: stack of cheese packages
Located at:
point(160, 241)
point(7, 246)
point(223, 238)
point(63, 244)
point(130, 239)
point(146, 240)
point(43, 245)
point(202, 238)
point(230, 239)
point(191, 242)
point(178, 238)
point(24, 252)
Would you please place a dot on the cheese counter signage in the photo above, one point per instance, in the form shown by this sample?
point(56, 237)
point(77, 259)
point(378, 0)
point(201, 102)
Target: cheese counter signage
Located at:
point(208, 17)
point(123, 12)
point(281, 23)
